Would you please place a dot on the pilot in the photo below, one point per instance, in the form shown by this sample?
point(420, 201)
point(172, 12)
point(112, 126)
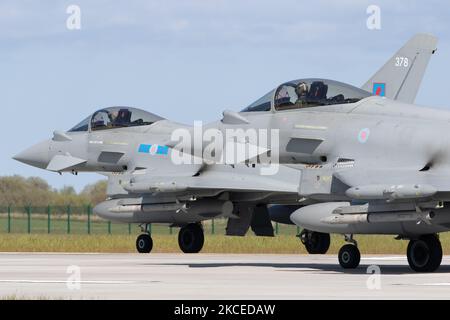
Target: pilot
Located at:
point(302, 92)
point(122, 118)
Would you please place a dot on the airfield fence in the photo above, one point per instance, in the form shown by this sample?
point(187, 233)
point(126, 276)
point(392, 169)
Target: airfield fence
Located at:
point(81, 220)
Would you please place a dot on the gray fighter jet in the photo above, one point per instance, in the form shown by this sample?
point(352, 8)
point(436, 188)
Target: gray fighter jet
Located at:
point(334, 158)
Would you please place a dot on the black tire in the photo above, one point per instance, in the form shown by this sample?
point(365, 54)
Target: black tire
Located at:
point(191, 238)
point(144, 243)
point(424, 254)
point(349, 256)
point(315, 242)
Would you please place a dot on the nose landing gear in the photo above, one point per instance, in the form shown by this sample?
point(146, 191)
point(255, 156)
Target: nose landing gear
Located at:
point(349, 255)
point(144, 242)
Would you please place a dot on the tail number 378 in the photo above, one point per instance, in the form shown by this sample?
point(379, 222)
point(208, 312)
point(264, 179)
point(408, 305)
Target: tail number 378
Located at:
point(401, 62)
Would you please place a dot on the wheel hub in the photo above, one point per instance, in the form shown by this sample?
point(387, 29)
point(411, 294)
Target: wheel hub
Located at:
point(345, 257)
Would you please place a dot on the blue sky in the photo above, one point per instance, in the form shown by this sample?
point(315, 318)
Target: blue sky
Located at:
point(188, 60)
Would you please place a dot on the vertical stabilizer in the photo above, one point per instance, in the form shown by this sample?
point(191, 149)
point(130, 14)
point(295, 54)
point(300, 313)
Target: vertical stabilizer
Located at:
point(400, 77)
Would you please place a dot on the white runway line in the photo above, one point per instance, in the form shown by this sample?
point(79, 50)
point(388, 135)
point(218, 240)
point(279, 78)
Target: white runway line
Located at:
point(388, 258)
point(81, 282)
point(215, 276)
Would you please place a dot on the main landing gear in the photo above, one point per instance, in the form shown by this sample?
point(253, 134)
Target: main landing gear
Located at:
point(424, 253)
point(315, 242)
point(349, 255)
point(190, 239)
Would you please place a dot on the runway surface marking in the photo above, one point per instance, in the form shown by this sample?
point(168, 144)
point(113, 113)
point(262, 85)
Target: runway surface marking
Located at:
point(215, 276)
point(384, 258)
point(81, 281)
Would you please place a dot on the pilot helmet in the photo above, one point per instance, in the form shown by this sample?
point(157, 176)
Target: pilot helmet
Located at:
point(301, 89)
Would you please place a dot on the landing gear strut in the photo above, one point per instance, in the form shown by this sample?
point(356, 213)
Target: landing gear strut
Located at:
point(315, 242)
point(425, 253)
point(349, 255)
point(191, 238)
point(144, 242)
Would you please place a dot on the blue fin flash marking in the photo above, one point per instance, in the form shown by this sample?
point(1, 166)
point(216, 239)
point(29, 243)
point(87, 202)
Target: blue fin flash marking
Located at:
point(161, 150)
point(144, 148)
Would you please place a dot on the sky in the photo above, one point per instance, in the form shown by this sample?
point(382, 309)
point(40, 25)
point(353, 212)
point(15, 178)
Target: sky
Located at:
point(189, 60)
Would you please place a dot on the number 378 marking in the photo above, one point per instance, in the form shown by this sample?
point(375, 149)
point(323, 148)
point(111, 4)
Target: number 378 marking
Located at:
point(401, 62)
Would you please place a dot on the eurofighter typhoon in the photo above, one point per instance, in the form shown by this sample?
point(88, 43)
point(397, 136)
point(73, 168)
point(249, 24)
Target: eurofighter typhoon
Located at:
point(321, 154)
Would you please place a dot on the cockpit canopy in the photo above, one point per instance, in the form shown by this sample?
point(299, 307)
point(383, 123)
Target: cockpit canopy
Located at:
point(306, 93)
point(116, 117)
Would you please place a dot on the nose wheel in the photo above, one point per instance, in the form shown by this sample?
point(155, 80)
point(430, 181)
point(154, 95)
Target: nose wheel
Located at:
point(144, 243)
point(191, 238)
point(349, 255)
point(425, 253)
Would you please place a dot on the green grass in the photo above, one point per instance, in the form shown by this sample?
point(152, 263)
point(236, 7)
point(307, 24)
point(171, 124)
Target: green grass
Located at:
point(111, 237)
point(213, 244)
point(78, 224)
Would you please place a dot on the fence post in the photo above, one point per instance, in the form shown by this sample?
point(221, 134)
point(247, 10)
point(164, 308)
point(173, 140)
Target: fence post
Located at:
point(109, 227)
point(28, 210)
point(49, 211)
point(276, 228)
point(149, 228)
point(212, 227)
point(89, 210)
point(298, 230)
point(69, 211)
point(129, 228)
point(9, 219)
point(170, 230)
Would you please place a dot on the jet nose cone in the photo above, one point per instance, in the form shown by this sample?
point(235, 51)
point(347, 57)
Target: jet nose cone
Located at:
point(36, 156)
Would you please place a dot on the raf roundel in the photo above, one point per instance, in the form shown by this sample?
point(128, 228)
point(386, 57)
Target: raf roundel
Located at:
point(363, 135)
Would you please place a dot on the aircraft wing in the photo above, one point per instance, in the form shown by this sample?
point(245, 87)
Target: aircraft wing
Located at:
point(400, 77)
point(239, 178)
point(210, 181)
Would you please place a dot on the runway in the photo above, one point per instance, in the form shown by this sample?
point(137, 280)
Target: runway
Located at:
point(213, 276)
